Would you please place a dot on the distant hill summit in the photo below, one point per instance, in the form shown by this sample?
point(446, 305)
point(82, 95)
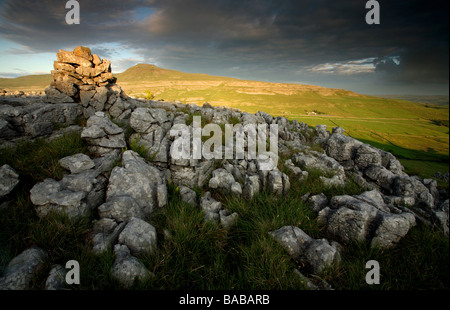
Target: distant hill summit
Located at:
point(148, 72)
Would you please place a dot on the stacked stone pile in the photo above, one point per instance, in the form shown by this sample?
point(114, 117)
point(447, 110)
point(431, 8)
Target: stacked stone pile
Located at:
point(86, 79)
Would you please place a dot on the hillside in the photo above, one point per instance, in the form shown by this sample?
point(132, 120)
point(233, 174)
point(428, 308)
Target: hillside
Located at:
point(29, 82)
point(415, 132)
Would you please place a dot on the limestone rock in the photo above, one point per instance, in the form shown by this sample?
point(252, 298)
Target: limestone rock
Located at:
point(49, 196)
point(188, 195)
point(140, 180)
point(121, 208)
point(56, 278)
point(8, 179)
point(76, 163)
point(105, 234)
point(21, 269)
point(56, 96)
point(127, 268)
point(317, 202)
point(365, 218)
point(139, 236)
point(318, 253)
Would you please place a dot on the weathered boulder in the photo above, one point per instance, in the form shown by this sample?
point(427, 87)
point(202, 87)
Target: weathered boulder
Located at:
point(102, 135)
point(367, 156)
point(252, 186)
point(21, 269)
point(221, 178)
point(76, 195)
point(54, 95)
point(365, 218)
point(188, 195)
point(317, 202)
point(210, 207)
point(142, 181)
point(342, 148)
point(127, 269)
point(139, 236)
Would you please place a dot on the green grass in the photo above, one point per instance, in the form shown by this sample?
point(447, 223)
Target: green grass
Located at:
point(38, 159)
point(20, 228)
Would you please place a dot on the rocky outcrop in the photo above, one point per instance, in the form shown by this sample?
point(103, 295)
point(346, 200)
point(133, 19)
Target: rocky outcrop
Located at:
point(76, 195)
point(33, 118)
point(365, 218)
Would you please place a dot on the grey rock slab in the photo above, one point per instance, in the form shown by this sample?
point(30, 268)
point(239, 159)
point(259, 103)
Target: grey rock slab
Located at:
point(207, 203)
point(252, 186)
point(318, 253)
point(83, 181)
point(53, 95)
point(121, 208)
point(77, 163)
point(141, 120)
point(112, 141)
point(49, 192)
point(275, 182)
point(236, 189)
point(367, 156)
point(292, 238)
point(341, 147)
point(335, 181)
point(321, 253)
point(346, 224)
point(101, 120)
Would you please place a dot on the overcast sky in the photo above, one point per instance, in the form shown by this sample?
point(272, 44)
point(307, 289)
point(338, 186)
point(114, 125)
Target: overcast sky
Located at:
point(320, 42)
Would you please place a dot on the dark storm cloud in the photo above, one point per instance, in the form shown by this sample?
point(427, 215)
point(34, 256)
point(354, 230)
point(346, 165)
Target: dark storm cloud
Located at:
point(254, 38)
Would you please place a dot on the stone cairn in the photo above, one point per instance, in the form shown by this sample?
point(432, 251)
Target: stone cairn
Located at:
point(85, 78)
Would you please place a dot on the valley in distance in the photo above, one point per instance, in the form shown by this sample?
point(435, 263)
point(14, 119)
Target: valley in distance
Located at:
point(414, 128)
